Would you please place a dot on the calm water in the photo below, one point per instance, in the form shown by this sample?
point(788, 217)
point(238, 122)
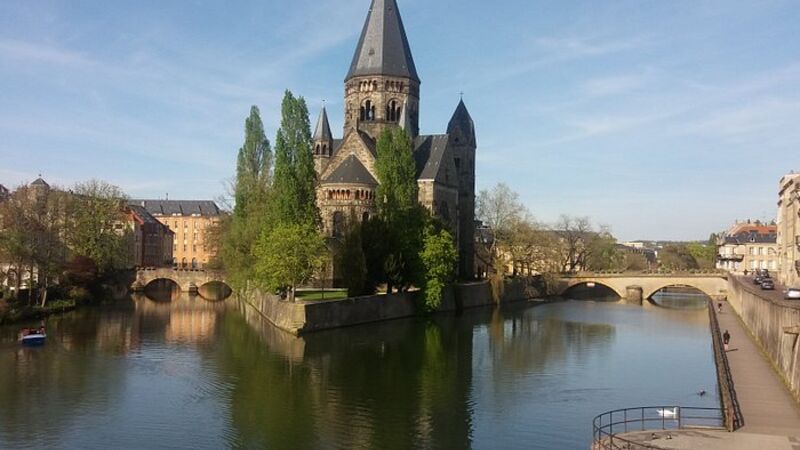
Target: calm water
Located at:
point(195, 374)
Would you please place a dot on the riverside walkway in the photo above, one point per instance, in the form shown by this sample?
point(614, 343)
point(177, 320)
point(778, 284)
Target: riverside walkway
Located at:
point(767, 405)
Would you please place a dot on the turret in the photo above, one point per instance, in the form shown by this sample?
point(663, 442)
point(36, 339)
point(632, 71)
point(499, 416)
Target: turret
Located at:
point(322, 141)
point(461, 132)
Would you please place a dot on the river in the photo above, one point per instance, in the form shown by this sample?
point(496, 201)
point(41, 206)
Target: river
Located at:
point(189, 373)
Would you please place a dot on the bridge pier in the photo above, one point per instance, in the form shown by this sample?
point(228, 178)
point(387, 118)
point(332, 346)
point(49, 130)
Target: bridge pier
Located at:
point(634, 295)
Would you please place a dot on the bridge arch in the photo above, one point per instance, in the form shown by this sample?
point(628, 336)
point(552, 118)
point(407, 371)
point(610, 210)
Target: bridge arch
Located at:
point(651, 291)
point(187, 280)
point(592, 283)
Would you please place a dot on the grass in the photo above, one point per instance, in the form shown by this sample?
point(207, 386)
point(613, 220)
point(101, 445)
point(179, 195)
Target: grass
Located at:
point(328, 294)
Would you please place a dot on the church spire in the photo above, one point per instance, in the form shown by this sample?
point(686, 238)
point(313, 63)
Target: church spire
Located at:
point(323, 130)
point(383, 48)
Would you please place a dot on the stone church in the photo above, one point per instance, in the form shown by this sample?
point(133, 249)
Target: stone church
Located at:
point(382, 90)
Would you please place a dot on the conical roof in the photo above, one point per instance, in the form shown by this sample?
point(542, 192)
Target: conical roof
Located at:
point(461, 119)
point(323, 130)
point(383, 48)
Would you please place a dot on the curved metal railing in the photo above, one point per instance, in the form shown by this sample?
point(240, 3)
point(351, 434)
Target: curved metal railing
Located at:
point(607, 427)
point(732, 413)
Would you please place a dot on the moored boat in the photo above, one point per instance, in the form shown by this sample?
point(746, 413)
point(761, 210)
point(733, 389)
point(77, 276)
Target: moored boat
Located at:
point(33, 336)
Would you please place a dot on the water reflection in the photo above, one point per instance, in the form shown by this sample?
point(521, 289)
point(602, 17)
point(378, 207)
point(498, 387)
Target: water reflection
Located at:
point(192, 373)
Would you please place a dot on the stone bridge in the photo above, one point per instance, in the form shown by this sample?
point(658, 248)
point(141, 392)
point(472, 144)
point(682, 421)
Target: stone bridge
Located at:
point(189, 280)
point(636, 287)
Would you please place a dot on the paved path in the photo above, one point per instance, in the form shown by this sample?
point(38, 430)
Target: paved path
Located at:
point(767, 405)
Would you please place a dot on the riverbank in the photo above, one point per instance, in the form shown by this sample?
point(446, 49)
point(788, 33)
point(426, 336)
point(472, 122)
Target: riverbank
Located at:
point(10, 313)
point(303, 317)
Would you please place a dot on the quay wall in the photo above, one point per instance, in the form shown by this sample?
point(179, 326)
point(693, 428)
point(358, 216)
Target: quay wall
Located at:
point(305, 317)
point(775, 324)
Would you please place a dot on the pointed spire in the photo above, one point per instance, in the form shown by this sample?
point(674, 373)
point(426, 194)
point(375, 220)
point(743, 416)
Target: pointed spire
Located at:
point(462, 122)
point(383, 48)
point(323, 130)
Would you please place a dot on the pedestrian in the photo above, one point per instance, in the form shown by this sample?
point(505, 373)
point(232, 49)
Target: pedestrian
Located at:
point(726, 339)
point(745, 272)
point(719, 307)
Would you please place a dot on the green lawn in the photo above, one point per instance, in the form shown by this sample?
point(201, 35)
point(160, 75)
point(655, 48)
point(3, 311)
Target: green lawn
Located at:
point(328, 294)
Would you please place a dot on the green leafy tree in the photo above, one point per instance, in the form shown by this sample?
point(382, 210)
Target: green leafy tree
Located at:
point(398, 208)
point(439, 257)
point(236, 235)
point(677, 257)
point(94, 225)
point(288, 256)
point(294, 199)
point(352, 262)
point(704, 254)
point(253, 165)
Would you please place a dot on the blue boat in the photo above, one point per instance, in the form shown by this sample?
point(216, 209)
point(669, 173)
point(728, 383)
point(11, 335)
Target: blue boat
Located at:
point(33, 337)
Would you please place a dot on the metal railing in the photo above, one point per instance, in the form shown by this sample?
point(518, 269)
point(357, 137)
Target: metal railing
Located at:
point(732, 413)
point(607, 427)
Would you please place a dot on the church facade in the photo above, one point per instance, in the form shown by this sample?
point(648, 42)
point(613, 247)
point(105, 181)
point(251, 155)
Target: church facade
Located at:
point(382, 90)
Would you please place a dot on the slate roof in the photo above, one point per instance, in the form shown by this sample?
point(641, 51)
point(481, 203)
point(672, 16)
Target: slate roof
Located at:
point(40, 182)
point(323, 130)
point(383, 47)
point(205, 208)
point(429, 154)
point(351, 171)
point(751, 238)
point(462, 120)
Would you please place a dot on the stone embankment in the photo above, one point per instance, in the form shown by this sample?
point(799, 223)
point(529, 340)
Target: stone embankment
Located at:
point(305, 317)
point(775, 325)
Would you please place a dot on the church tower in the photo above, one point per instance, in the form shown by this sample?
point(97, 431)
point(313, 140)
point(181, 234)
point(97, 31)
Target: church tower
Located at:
point(461, 130)
point(382, 77)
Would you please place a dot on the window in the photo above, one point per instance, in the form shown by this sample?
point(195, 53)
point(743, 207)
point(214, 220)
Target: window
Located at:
point(752, 251)
point(194, 263)
point(760, 251)
point(753, 264)
point(338, 228)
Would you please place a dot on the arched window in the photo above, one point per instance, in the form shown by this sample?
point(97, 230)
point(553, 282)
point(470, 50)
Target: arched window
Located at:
point(393, 111)
point(194, 263)
point(183, 263)
point(368, 111)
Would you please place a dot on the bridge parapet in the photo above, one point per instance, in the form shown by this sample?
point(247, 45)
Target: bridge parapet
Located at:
point(189, 280)
point(639, 286)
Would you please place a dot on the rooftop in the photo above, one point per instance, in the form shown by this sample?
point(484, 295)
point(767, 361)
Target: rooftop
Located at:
point(202, 208)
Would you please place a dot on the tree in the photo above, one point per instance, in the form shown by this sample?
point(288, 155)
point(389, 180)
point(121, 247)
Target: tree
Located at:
point(501, 210)
point(352, 262)
point(396, 169)
point(288, 255)
point(295, 181)
point(575, 235)
point(399, 210)
point(94, 232)
point(439, 258)
point(236, 235)
point(253, 165)
point(677, 257)
point(705, 255)
point(602, 252)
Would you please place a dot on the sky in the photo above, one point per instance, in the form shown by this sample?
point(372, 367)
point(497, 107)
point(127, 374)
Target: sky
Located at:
point(661, 120)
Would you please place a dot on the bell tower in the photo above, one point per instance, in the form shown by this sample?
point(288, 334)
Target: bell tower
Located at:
point(383, 79)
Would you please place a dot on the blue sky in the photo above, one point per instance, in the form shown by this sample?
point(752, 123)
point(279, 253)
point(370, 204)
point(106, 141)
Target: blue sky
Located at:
point(660, 119)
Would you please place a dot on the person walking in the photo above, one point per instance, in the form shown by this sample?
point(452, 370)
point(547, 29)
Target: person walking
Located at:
point(719, 307)
point(726, 339)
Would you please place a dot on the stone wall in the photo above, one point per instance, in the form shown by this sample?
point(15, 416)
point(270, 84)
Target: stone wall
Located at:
point(304, 317)
point(775, 325)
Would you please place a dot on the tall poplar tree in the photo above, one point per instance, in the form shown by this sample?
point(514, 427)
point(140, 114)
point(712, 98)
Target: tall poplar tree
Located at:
point(399, 208)
point(253, 164)
point(295, 178)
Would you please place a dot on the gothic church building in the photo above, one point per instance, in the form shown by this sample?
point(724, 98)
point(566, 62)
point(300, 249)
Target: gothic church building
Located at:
point(382, 90)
